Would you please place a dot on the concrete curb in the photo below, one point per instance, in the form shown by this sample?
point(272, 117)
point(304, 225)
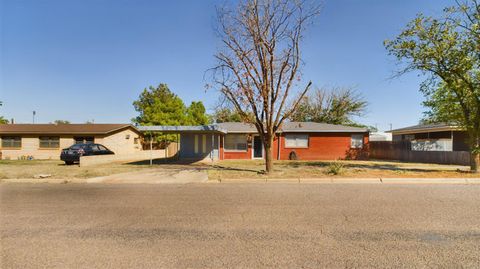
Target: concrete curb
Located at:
point(340, 180)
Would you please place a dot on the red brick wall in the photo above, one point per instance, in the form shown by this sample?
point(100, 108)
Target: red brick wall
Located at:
point(324, 146)
point(235, 155)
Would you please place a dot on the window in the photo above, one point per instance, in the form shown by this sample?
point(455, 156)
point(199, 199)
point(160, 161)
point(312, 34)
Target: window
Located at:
point(296, 141)
point(135, 141)
point(357, 141)
point(49, 142)
point(94, 148)
point(11, 142)
point(102, 147)
point(84, 139)
point(410, 137)
point(196, 144)
point(236, 142)
point(204, 143)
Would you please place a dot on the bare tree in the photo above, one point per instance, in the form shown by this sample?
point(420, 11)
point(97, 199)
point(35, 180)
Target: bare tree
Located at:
point(338, 105)
point(259, 63)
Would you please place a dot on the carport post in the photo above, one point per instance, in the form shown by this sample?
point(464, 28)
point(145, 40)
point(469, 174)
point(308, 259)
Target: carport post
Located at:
point(166, 147)
point(177, 147)
point(151, 152)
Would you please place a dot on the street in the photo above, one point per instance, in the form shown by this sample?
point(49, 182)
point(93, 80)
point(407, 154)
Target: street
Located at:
point(217, 225)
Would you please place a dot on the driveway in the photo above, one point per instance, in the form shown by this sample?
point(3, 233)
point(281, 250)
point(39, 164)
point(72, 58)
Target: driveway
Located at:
point(239, 226)
point(176, 174)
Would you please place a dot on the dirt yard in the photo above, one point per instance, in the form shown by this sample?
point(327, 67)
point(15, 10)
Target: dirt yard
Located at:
point(322, 169)
point(15, 169)
point(56, 169)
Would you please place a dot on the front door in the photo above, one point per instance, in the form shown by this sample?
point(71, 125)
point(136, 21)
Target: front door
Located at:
point(257, 147)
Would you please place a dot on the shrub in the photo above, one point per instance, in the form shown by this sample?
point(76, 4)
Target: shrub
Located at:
point(335, 168)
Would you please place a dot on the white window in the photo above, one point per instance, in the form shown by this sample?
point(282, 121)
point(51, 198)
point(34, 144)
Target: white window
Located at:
point(236, 142)
point(357, 141)
point(196, 144)
point(204, 143)
point(296, 141)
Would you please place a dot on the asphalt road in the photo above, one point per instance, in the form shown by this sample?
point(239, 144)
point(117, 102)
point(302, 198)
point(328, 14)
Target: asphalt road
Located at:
point(239, 226)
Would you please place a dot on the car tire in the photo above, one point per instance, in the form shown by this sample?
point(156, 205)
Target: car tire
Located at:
point(68, 162)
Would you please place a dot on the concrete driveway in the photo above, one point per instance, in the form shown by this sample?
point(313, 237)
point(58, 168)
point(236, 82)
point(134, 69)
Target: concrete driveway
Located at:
point(239, 226)
point(177, 175)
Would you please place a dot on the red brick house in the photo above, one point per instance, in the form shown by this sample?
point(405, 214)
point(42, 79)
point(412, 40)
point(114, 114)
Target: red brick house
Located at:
point(233, 140)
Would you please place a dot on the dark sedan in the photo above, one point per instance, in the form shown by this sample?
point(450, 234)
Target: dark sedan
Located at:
point(72, 154)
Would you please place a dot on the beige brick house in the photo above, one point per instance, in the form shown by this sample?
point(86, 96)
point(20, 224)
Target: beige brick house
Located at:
point(45, 141)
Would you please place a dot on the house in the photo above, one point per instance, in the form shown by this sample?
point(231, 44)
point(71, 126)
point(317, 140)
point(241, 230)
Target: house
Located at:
point(433, 137)
point(45, 141)
point(380, 136)
point(234, 140)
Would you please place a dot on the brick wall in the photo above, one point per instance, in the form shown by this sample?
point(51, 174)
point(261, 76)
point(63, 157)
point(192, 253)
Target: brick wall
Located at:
point(121, 142)
point(325, 146)
point(31, 147)
point(117, 142)
point(322, 146)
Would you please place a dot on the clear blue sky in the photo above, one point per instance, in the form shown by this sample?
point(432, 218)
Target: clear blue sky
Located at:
point(89, 59)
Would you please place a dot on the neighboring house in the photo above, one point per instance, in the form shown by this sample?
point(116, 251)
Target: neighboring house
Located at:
point(232, 140)
point(433, 137)
point(380, 136)
point(45, 141)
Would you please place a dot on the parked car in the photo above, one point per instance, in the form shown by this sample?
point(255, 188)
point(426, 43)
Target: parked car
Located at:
point(72, 154)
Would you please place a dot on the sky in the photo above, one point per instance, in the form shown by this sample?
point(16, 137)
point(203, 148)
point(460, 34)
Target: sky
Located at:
point(89, 60)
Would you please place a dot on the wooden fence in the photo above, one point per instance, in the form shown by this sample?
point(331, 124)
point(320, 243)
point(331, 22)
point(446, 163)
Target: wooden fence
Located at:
point(401, 151)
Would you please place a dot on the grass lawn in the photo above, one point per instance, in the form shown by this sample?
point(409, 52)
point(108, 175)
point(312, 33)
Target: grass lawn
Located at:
point(318, 169)
point(57, 169)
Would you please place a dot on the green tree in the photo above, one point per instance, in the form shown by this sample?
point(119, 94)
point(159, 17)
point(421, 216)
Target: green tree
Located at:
point(196, 114)
point(443, 106)
point(334, 106)
point(447, 50)
point(159, 106)
point(226, 115)
point(2, 119)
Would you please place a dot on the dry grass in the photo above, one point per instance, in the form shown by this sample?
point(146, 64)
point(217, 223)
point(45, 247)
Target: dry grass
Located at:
point(241, 169)
point(318, 169)
point(11, 169)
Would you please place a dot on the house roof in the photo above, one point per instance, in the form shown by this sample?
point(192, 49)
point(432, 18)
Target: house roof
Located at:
point(422, 128)
point(319, 127)
point(62, 128)
point(292, 127)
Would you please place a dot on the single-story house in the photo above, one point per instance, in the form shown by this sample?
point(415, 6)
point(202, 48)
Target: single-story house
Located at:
point(234, 140)
point(433, 137)
point(45, 141)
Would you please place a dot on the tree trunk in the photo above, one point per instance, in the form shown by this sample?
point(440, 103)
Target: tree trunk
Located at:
point(268, 155)
point(475, 162)
point(475, 153)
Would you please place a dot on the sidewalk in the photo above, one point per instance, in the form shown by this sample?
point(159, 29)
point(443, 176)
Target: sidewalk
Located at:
point(340, 180)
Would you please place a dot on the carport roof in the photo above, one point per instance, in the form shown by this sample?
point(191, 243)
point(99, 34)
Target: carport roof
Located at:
point(182, 129)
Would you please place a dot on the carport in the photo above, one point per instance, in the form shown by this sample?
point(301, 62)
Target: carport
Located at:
point(196, 143)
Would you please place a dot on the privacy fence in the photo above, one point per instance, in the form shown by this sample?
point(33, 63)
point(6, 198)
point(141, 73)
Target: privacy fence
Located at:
point(401, 151)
